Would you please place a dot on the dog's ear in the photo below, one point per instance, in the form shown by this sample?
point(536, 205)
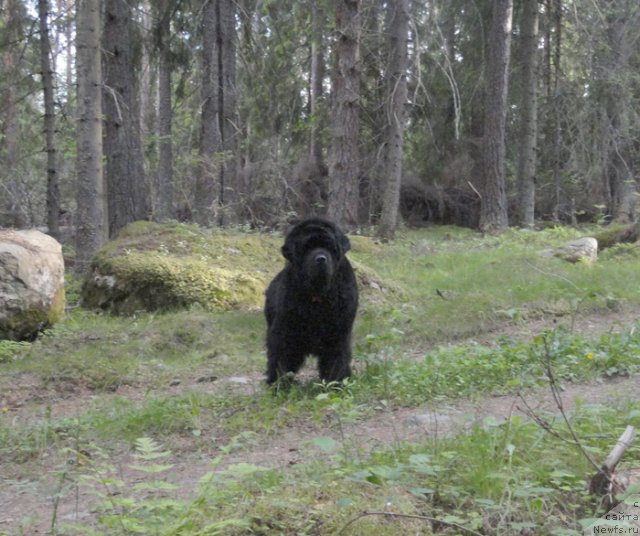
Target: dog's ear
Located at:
point(345, 245)
point(287, 251)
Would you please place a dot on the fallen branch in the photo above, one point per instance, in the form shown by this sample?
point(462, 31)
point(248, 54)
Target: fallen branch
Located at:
point(606, 482)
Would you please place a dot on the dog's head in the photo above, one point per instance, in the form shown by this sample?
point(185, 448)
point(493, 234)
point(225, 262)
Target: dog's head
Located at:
point(315, 248)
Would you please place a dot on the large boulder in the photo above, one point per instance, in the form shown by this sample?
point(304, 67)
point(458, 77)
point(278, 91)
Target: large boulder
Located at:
point(581, 250)
point(31, 283)
point(154, 267)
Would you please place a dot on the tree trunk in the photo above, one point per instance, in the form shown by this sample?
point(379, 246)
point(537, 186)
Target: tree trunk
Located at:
point(125, 177)
point(317, 76)
point(165, 116)
point(216, 175)
point(619, 173)
point(228, 117)
point(556, 108)
point(493, 210)
point(546, 72)
point(12, 213)
point(91, 224)
point(344, 160)
point(529, 114)
point(207, 174)
point(398, 31)
point(53, 192)
point(70, 8)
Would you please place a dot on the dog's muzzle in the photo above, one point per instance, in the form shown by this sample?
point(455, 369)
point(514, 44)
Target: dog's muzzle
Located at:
point(321, 259)
point(319, 268)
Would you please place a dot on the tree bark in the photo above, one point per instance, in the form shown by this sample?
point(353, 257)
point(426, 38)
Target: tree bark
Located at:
point(127, 195)
point(53, 190)
point(619, 174)
point(91, 224)
point(529, 114)
point(13, 214)
point(398, 31)
point(165, 116)
point(556, 108)
point(493, 209)
point(316, 90)
point(207, 174)
point(344, 160)
point(216, 174)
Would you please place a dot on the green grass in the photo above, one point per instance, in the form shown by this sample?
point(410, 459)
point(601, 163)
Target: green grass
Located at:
point(496, 475)
point(457, 284)
point(137, 377)
point(468, 370)
point(448, 283)
point(104, 352)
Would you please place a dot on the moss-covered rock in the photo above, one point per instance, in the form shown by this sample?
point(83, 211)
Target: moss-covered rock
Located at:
point(155, 267)
point(31, 283)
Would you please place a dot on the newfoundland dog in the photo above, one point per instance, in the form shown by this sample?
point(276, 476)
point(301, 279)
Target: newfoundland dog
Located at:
point(311, 304)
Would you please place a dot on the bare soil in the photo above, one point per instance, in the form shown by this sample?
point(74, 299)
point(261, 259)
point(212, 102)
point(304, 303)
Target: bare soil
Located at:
point(39, 490)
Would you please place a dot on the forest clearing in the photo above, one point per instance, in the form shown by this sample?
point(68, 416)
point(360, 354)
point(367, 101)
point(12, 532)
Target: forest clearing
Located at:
point(161, 423)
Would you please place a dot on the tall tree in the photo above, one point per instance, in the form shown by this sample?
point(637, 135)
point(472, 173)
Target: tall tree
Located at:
point(622, 17)
point(316, 89)
point(493, 210)
point(397, 31)
point(165, 112)
point(125, 176)
point(9, 124)
point(215, 181)
point(344, 160)
point(553, 91)
point(528, 114)
point(91, 224)
point(53, 190)
point(310, 174)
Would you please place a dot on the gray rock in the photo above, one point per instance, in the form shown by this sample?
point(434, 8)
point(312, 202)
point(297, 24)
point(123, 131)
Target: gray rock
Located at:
point(580, 250)
point(31, 283)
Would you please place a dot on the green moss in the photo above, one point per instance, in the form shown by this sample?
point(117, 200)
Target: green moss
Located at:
point(24, 325)
point(57, 306)
point(27, 323)
point(172, 266)
point(365, 245)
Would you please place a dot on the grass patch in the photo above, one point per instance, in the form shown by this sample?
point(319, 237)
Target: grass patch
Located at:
point(457, 284)
point(495, 479)
point(469, 370)
point(437, 285)
point(137, 377)
point(102, 353)
point(472, 369)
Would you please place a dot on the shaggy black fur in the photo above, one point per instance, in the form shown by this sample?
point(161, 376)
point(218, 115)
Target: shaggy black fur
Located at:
point(311, 304)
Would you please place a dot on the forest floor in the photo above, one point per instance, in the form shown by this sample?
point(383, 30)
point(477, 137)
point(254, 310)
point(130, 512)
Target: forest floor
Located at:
point(161, 423)
point(38, 495)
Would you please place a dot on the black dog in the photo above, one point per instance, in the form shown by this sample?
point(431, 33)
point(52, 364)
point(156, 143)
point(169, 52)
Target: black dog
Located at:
point(311, 303)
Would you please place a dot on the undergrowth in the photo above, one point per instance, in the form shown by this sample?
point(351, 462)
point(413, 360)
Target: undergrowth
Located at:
point(383, 381)
point(157, 386)
point(497, 478)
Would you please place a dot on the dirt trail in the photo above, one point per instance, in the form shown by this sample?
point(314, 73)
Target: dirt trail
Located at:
point(33, 495)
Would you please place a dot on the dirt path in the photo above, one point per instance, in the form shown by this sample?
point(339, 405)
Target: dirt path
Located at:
point(34, 497)
point(33, 494)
